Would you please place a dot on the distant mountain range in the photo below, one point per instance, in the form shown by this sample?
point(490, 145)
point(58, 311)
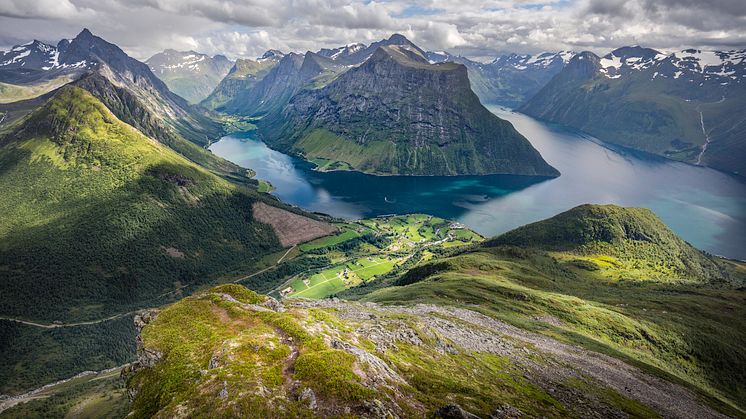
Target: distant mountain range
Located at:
point(189, 74)
point(683, 105)
point(509, 80)
point(686, 105)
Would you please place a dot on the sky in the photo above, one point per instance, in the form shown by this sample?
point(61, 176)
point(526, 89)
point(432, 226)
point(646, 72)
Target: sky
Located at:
point(479, 29)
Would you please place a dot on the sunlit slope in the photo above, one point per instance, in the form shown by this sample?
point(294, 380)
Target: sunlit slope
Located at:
point(612, 279)
point(97, 217)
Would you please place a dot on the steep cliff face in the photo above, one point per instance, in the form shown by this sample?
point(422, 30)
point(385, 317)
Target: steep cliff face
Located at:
point(276, 89)
point(244, 75)
point(398, 114)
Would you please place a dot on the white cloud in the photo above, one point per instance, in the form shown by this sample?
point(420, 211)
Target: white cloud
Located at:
point(477, 28)
point(47, 9)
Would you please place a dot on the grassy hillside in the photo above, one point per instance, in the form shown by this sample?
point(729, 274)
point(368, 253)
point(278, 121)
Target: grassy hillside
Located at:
point(636, 238)
point(608, 278)
point(183, 137)
point(98, 217)
point(231, 352)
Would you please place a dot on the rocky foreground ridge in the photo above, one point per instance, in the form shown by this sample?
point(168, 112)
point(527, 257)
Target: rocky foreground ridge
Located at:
point(231, 352)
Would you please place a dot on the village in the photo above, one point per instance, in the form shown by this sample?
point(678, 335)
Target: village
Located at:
point(365, 250)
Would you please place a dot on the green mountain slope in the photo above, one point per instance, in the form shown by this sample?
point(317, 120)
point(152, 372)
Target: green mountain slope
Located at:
point(99, 218)
point(242, 77)
point(667, 105)
point(496, 330)
point(635, 237)
point(129, 108)
point(232, 353)
point(398, 114)
point(612, 279)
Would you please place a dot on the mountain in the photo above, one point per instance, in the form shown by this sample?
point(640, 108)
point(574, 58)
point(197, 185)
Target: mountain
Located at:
point(509, 80)
point(398, 114)
point(131, 90)
point(100, 220)
point(189, 74)
point(36, 61)
point(241, 78)
point(497, 330)
point(141, 99)
point(110, 205)
point(87, 53)
point(341, 53)
point(291, 74)
point(680, 105)
point(630, 235)
point(356, 53)
point(297, 71)
point(102, 185)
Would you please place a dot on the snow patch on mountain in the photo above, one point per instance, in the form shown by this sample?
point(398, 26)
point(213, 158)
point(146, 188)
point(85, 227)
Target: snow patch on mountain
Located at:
point(689, 64)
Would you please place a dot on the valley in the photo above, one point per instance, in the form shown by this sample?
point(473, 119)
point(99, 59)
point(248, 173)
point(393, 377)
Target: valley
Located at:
point(373, 230)
point(677, 192)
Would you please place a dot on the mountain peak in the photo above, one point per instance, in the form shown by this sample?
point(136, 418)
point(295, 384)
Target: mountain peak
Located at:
point(272, 54)
point(402, 54)
point(85, 33)
point(634, 51)
point(398, 38)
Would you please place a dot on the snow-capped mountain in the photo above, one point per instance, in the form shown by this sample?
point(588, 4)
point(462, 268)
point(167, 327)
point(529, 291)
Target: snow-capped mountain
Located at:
point(187, 62)
point(509, 79)
point(686, 105)
point(356, 53)
point(341, 52)
point(271, 55)
point(37, 60)
point(189, 74)
point(690, 65)
point(539, 61)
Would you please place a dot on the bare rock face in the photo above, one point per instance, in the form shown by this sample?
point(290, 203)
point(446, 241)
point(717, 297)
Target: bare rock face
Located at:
point(454, 412)
point(146, 357)
point(309, 397)
point(506, 411)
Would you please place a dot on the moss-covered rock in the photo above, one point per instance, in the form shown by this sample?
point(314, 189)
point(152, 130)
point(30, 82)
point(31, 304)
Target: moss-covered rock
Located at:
point(225, 357)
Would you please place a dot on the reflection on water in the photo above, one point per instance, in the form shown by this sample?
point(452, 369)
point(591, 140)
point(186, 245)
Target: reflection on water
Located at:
point(706, 207)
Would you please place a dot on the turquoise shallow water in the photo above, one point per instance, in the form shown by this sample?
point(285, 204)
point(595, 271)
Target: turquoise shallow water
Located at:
point(706, 207)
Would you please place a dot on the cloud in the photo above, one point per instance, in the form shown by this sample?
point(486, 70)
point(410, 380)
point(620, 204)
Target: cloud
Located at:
point(475, 28)
point(46, 9)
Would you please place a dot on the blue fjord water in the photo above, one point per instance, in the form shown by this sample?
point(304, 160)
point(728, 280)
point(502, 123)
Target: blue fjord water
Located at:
point(705, 207)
